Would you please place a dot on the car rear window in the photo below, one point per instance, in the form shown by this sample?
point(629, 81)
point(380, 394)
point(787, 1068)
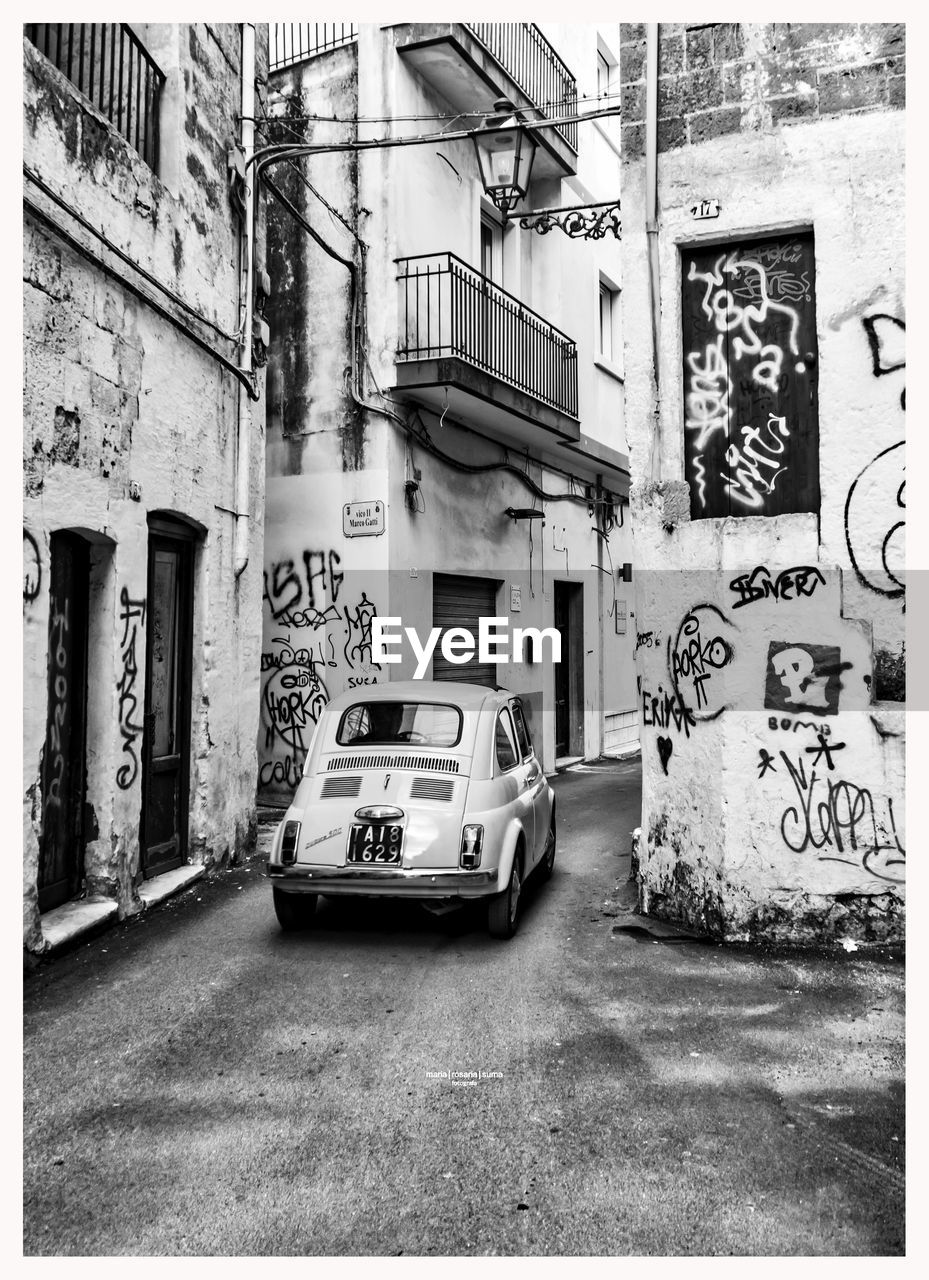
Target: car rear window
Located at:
point(400, 724)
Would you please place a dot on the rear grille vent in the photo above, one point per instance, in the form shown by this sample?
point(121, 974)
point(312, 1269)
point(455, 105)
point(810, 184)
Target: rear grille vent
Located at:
point(432, 789)
point(435, 763)
point(340, 787)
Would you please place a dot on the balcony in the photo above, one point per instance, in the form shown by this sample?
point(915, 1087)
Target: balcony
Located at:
point(108, 64)
point(473, 63)
point(470, 345)
point(293, 42)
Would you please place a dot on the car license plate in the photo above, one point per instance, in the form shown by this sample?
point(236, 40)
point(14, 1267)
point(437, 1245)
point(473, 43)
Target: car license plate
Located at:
point(374, 844)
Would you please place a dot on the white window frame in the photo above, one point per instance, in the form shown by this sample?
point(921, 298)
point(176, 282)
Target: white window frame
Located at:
point(609, 293)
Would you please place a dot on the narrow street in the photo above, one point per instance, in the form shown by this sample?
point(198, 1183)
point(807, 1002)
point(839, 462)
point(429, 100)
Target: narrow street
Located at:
point(197, 1082)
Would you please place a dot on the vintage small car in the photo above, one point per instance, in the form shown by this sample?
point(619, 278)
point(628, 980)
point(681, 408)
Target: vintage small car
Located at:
point(416, 789)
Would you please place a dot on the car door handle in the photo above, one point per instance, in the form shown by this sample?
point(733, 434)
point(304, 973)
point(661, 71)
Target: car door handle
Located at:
point(533, 778)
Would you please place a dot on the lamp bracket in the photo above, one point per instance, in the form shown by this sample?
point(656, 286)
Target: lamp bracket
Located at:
point(579, 221)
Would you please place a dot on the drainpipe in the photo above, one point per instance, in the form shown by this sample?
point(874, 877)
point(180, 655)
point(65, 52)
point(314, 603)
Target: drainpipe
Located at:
point(651, 220)
point(243, 438)
point(598, 516)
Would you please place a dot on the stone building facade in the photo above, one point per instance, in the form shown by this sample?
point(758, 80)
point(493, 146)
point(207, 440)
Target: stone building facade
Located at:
point(445, 388)
point(763, 230)
point(143, 453)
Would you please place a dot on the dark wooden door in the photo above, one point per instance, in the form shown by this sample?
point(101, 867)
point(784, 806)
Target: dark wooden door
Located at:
point(61, 850)
point(751, 433)
point(562, 670)
point(165, 782)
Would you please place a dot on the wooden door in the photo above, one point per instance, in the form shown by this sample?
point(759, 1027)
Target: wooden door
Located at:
point(562, 670)
point(751, 421)
point(166, 751)
point(61, 850)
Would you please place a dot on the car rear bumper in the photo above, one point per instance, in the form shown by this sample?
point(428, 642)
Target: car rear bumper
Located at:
point(383, 882)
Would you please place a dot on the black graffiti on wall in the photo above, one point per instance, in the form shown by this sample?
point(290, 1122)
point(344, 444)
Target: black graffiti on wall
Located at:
point(666, 710)
point(132, 616)
point(876, 498)
point(358, 633)
point(646, 640)
point(881, 486)
point(665, 748)
point(839, 820)
point(791, 726)
point(700, 651)
point(790, 584)
point(32, 568)
point(302, 594)
point(803, 677)
point(293, 698)
point(887, 343)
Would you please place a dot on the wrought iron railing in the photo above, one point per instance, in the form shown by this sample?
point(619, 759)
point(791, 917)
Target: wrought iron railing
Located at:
point(448, 309)
point(296, 41)
point(107, 62)
point(528, 58)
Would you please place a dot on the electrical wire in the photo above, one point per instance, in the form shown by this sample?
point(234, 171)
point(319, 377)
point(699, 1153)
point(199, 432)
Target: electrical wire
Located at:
point(124, 257)
point(274, 152)
point(315, 117)
point(98, 262)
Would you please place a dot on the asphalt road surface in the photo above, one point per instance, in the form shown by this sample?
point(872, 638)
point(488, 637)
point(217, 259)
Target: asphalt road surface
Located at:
point(197, 1082)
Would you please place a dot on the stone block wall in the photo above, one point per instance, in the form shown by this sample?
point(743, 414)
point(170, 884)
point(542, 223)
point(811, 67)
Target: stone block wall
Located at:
point(719, 78)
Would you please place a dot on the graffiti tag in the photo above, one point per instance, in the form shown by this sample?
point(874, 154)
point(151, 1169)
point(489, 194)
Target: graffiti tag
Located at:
point(132, 616)
point(790, 584)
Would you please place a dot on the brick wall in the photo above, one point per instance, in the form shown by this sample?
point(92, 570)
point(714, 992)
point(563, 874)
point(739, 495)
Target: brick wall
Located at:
point(722, 77)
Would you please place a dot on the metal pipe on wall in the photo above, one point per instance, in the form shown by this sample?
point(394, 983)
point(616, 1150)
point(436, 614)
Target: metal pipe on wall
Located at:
point(243, 436)
point(651, 224)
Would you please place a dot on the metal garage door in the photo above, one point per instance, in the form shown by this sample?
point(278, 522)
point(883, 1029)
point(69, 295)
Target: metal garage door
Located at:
point(460, 602)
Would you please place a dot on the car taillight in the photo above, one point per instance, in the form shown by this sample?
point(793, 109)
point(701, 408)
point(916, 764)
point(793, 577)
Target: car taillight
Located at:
point(472, 837)
point(289, 838)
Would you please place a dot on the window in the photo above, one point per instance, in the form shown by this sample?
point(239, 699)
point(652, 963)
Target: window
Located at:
point(491, 249)
point(522, 731)
point(607, 308)
point(604, 71)
point(505, 742)
point(751, 433)
point(400, 724)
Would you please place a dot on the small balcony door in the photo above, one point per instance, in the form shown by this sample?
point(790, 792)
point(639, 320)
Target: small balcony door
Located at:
point(61, 849)
point(166, 752)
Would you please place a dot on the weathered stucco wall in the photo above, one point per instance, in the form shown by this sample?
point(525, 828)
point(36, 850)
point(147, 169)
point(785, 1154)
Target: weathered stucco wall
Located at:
point(773, 792)
point(125, 415)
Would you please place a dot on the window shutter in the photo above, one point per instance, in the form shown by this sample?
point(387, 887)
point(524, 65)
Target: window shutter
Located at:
point(461, 602)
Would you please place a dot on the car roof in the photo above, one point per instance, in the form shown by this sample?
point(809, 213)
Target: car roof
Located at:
point(458, 693)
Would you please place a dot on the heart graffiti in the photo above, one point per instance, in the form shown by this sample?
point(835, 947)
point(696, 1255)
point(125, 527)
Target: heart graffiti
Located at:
point(665, 747)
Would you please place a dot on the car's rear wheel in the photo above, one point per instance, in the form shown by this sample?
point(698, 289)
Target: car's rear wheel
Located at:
point(503, 910)
point(294, 910)
point(547, 864)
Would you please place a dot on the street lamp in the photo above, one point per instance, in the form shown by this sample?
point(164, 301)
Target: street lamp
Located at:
point(505, 152)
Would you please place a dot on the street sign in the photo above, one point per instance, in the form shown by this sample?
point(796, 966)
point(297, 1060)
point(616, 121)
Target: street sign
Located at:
point(363, 519)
